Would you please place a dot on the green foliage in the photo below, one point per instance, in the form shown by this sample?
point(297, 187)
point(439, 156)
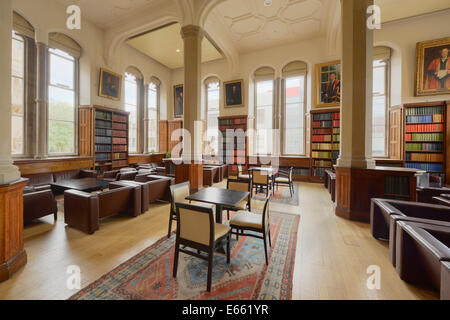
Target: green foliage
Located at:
point(61, 133)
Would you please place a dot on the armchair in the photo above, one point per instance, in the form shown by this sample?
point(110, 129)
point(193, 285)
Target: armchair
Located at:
point(39, 204)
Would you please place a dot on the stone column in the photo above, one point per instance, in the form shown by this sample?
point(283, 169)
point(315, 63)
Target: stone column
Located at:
point(192, 155)
point(41, 95)
point(12, 254)
point(357, 70)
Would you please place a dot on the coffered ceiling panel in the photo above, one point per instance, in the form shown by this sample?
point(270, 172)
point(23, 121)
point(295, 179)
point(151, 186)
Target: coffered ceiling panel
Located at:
point(256, 24)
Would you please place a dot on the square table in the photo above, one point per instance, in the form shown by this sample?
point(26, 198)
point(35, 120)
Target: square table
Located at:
point(84, 184)
point(219, 197)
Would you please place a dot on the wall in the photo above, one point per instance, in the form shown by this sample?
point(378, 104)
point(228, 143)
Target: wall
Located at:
point(50, 16)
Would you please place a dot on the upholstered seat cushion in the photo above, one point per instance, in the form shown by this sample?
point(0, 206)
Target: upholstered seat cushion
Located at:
point(220, 230)
point(246, 219)
point(241, 206)
point(282, 179)
point(244, 176)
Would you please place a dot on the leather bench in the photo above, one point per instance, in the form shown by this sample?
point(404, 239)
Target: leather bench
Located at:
point(426, 194)
point(43, 181)
point(38, 204)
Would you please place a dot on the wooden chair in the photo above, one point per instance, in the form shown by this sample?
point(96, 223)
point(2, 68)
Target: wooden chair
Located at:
point(241, 174)
point(261, 181)
point(285, 178)
point(178, 194)
point(240, 185)
point(197, 230)
point(244, 221)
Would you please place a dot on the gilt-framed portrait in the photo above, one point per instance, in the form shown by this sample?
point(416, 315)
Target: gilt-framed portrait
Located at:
point(110, 85)
point(328, 84)
point(234, 93)
point(433, 67)
point(178, 101)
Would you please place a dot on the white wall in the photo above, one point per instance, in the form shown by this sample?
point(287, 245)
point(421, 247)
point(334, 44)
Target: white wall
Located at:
point(50, 16)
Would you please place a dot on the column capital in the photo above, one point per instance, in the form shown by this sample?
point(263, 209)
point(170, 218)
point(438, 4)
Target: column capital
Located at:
point(191, 31)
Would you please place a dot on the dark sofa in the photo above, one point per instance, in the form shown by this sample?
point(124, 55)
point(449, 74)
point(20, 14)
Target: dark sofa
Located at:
point(38, 204)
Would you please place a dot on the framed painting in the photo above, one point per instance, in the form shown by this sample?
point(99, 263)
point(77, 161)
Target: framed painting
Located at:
point(433, 67)
point(110, 85)
point(178, 101)
point(234, 93)
point(328, 84)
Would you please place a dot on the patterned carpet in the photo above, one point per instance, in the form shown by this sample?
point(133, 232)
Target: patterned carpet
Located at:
point(148, 275)
point(282, 196)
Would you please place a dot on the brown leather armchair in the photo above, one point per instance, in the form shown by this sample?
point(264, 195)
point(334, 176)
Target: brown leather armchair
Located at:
point(426, 194)
point(159, 187)
point(421, 249)
point(39, 204)
point(110, 175)
point(83, 211)
point(445, 280)
point(74, 174)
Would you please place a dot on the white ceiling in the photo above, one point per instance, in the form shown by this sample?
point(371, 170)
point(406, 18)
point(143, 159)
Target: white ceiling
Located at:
point(399, 9)
point(253, 26)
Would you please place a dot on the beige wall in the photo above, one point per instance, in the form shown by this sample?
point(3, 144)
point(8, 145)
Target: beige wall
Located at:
point(50, 16)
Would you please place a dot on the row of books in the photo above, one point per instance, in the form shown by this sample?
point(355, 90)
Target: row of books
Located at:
point(119, 126)
point(102, 156)
point(336, 116)
point(119, 141)
point(430, 167)
point(119, 133)
point(104, 140)
point(422, 111)
point(323, 163)
point(423, 146)
point(319, 172)
point(103, 124)
point(336, 123)
point(321, 131)
point(236, 127)
point(119, 156)
point(322, 146)
point(103, 132)
point(425, 119)
point(321, 154)
point(424, 137)
point(322, 116)
point(336, 137)
point(426, 157)
point(103, 148)
point(230, 122)
point(301, 171)
point(321, 138)
point(335, 155)
point(424, 128)
point(119, 148)
point(322, 124)
point(336, 131)
point(396, 185)
point(103, 115)
point(119, 118)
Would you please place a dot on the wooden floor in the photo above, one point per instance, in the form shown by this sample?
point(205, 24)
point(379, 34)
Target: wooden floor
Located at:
point(331, 259)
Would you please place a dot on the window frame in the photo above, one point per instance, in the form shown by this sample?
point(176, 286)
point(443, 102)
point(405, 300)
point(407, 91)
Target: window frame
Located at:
point(256, 81)
point(387, 90)
point(283, 113)
point(76, 89)
point(207, 110)
point(158, 116)
point(136, 151)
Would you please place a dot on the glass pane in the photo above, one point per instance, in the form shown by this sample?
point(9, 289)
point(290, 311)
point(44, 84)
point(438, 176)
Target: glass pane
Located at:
point(61, 137)
point(17, 135)
point(294, 116)
point(62, 71)
point(61, 104)
point(379, 119)
point(18, 57)
point(264, 116)
point(17, 96)
point(152, 98)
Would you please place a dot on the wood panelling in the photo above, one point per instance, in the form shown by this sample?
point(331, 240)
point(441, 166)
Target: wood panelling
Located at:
point(12, 254)
point(190, 172)
point(171, 127)
point(163, 136)
point(27, 167)
point(396, 133)
point(156, 158)
point(85, 125)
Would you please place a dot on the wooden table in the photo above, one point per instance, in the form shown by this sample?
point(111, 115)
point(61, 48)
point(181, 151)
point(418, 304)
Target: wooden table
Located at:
point(219, 197)
point(84, 184)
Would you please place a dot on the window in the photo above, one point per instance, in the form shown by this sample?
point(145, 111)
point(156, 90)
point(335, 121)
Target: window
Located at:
point(153, 117)
point(131, 104)
point(264, 116)
point(212, 114)
point(294, 120)
point(62, 101)
point(18, 95)
point(380, 105)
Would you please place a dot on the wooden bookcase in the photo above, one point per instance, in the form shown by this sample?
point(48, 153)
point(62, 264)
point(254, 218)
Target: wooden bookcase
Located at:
point(240, 151)
point(166, 128)
point(425, 137)
point(325, 141)
point(104, 136)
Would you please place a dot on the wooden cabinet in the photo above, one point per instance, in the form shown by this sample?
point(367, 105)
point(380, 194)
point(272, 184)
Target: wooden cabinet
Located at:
point(103, 134)
point(163, 136)
point(396, 133)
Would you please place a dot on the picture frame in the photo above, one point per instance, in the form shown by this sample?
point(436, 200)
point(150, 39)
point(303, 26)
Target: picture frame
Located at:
point(233, 93)
point(432, 67)
point(328, 88)
point(178, 101)
point(110, 85)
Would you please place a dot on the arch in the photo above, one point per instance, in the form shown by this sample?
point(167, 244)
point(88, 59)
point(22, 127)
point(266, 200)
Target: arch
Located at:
point(22, 26)
point(135, 72)
point(61, 41)
point(264, 72)
point(294, 67)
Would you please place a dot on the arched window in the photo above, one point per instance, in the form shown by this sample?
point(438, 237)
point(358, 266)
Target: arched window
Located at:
point(64, 54)
point(212, 87)
point(293, 108)
point(153, 106)
point(381, 100)
point(264, 106)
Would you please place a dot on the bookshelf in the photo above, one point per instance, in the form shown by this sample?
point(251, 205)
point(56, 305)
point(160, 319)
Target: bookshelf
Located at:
point(425, 137)
point(240, 150)
point(104, 136)
point(325, 141)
